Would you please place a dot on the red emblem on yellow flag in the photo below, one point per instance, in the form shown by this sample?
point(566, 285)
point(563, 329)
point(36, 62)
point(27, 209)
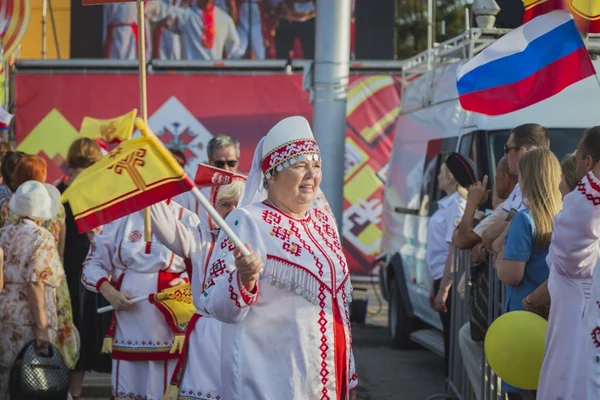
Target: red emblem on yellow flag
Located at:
point(134, 175)
point(585, 12)
point(110, 130)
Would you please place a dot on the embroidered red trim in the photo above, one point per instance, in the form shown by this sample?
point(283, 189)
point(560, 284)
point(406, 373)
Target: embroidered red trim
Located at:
point(208, 26)
point(99, 283)
point(283, 153)
point(249, 297)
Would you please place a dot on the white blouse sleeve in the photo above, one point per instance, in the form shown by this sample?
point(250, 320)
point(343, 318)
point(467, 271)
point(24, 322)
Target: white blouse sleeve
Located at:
point(98, 266)
point(226, 298)
point(181, 236)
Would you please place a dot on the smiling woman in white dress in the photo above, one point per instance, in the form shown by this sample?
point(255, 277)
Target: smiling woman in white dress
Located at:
point(286, 332)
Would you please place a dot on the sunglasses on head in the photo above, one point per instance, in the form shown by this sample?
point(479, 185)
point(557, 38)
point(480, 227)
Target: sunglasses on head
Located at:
point(221, 163)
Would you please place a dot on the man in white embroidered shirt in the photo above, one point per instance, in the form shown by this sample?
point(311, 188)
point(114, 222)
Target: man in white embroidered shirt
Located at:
point(522, 139)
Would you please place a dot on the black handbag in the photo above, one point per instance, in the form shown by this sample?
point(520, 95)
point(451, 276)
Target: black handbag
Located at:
point(39, 376)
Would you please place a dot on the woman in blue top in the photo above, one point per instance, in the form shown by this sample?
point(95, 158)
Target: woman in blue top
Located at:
point(522, 264)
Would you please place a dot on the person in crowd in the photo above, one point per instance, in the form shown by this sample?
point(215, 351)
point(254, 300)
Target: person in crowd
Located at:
point(456, 175)
point(223, 152)
point(569, 293)
point(305, 278)
point(82, 154)
point(522, 266)
point(5, 148)
point(33, 168)
point(296, 20)
point(121, 31)
point(179, 156)
point(469, 237)
point(121, 265)
point(32, 272)
point(522, 139)
point(203, 336)
point(9, 162)
point(250, 29)
point(207, 32)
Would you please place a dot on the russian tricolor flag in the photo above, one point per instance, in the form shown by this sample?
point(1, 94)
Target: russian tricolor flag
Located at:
point(528, 65)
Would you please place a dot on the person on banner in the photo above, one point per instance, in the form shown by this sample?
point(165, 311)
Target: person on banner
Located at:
point(456, 175)
point(302, 348)
point(121, 31)
point(122, 266)
point(167, 42)
point(207, 32)
point(296, 19)
point(197, 243)
point(250, 29)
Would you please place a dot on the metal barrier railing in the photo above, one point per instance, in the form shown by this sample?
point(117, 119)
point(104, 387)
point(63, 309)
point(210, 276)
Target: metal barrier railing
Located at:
point(459, 385)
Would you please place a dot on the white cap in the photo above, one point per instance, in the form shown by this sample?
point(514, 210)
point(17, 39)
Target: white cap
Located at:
point(32, 200)
point(289, 139)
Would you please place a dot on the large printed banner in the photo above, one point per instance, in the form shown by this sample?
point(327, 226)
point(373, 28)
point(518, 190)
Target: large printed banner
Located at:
point(185, 111)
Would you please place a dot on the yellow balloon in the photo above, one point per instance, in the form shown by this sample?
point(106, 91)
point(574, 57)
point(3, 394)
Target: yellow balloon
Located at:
point(514, 348)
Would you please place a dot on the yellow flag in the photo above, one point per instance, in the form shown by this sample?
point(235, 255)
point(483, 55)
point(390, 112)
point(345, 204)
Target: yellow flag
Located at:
point(176, 305)
point(109, 130)
point(134, 175)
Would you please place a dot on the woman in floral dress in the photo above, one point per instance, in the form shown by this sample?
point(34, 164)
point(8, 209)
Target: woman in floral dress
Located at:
point(34, 168)
point(32, 271)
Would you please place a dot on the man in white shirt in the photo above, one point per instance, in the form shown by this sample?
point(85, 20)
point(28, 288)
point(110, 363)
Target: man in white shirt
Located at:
point(522, 139)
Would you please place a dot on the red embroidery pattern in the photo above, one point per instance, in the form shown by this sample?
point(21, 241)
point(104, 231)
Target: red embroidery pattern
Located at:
point(349, 325)
point(281, 233)
point(335, 248)
point(227, 243)
point(324, 347)
point(130, 396)
point(191, 394)
point(232, 294)
point(135, 236)
point(581, 187)
point(292, 248)
point(218, 268)
point(271, 217)
point(596, 336)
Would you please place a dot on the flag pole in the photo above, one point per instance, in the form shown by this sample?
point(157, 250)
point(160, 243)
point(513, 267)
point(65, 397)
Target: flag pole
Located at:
point(143, 95)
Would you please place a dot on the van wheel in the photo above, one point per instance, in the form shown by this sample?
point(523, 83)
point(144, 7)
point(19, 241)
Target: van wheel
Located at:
point(400, 324)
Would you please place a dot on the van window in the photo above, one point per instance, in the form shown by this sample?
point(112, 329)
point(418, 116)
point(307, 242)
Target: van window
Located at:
point(562, 142)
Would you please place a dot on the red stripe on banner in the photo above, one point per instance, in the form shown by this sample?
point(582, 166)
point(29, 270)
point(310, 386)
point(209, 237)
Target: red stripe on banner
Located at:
point(545, 83)
point(133, 204)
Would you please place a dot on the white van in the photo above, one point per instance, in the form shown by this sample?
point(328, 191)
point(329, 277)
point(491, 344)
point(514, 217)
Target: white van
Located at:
point(433, 124)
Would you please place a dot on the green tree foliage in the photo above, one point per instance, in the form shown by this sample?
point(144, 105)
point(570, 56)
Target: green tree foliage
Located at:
point(412, 24)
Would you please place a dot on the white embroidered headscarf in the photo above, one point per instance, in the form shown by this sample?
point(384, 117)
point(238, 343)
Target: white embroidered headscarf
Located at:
point(288, 140)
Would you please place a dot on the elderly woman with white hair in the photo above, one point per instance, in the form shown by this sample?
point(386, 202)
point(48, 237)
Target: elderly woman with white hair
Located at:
point(32, 272)
point(287, 326)
point(193, 373)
